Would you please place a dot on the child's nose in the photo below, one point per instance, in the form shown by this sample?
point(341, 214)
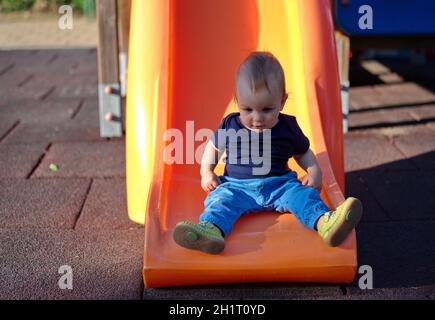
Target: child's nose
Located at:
point(258, 119)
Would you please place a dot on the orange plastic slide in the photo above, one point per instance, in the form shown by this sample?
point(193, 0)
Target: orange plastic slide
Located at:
point(183, 56)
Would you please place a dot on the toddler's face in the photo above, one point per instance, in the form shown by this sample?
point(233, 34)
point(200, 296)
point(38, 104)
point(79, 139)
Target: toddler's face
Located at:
point(260, 109)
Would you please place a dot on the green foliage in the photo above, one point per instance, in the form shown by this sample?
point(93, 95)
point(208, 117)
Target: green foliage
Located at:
point(80, 5)
point(76, 4)
point(15, 5)
point(86, 6)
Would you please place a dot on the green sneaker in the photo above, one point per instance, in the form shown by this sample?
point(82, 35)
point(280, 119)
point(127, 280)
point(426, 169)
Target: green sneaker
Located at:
point(202, 236)
point(337, 224)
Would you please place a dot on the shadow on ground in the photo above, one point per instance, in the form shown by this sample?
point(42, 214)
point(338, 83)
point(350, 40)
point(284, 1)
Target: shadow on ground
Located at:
point(396, 236)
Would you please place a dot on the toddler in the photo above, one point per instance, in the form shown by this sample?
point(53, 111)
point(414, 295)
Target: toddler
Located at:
point(260, 94)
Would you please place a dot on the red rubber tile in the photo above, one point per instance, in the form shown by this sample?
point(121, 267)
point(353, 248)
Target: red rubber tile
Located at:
point(104, 264)
point(106, 206)
point(84, 159)
point(364, 151)
point(19, 160)
point(37, 203)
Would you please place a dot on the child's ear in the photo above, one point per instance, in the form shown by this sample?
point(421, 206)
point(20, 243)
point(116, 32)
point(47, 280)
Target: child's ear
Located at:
point(284, 99)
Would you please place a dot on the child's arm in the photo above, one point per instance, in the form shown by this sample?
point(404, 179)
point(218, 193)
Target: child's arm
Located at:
point(210, 158)
point(308, 162)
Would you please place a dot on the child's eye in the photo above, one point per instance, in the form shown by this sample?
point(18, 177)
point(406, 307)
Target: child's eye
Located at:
point(248, 109)
point(266, 110)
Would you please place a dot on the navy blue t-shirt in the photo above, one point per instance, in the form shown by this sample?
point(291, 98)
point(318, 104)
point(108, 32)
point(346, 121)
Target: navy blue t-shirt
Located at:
point(250, 154)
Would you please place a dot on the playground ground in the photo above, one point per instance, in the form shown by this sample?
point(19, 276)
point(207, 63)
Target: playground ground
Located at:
point(77, 215)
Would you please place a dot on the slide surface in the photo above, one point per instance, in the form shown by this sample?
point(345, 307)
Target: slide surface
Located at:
point(182, 60)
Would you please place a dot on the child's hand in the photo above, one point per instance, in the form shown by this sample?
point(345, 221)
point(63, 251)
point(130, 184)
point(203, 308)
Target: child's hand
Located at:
point(313, 180)
point(209, 181)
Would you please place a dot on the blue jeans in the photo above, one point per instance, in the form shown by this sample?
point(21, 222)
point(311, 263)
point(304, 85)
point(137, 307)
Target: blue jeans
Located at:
point(235, 197)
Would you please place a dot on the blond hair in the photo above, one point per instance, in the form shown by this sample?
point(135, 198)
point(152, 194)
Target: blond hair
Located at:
point(258, 67)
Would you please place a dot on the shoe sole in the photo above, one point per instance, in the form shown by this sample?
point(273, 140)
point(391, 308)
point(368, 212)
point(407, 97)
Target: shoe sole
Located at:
point(183, 235)
point(347, 222)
